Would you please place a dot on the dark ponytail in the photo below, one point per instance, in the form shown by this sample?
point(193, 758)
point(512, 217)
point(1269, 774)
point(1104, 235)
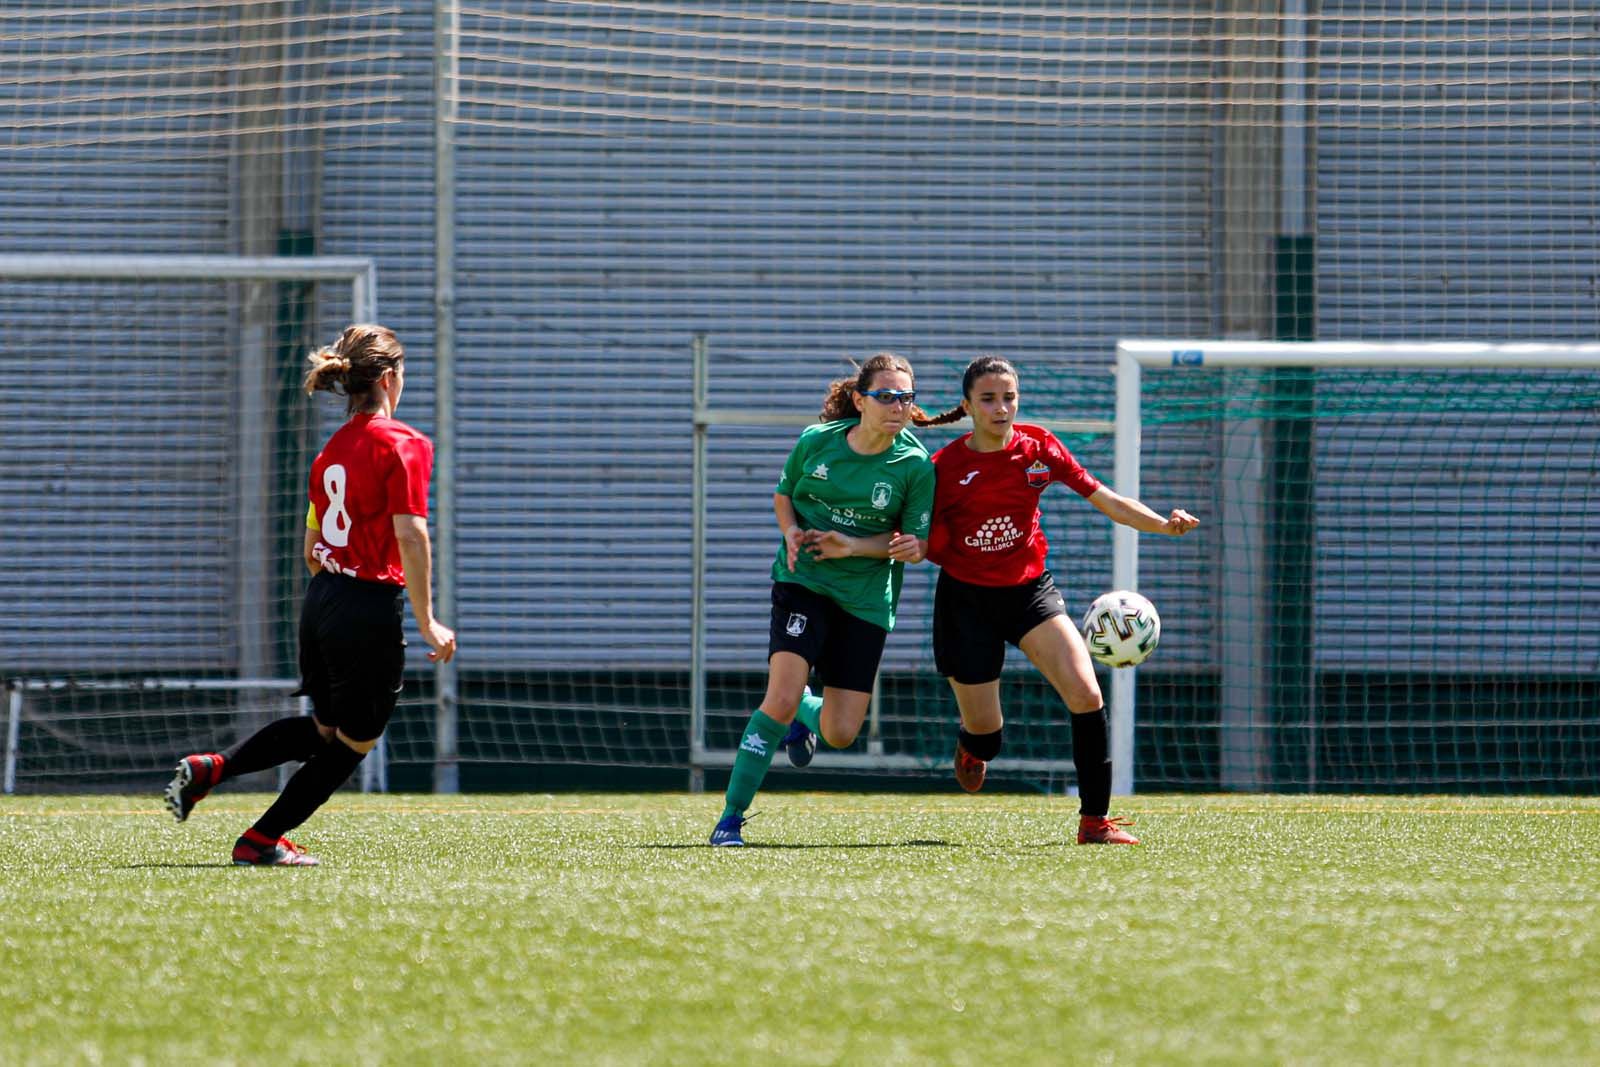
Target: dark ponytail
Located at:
point(976, 369)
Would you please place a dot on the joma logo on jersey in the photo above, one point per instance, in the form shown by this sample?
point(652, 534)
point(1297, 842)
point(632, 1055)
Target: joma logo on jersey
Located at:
point(882, 493)
point(1038, 474)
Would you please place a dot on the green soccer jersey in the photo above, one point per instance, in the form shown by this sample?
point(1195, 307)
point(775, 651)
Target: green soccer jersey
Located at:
point(834, 487)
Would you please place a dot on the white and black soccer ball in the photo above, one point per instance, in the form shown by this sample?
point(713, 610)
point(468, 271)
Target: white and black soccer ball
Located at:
point(1121, 628)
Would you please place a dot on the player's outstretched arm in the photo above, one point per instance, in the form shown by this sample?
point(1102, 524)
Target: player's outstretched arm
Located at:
point(1130, 512)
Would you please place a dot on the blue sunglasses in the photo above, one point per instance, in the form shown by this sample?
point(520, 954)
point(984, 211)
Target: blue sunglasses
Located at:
point(891, 396)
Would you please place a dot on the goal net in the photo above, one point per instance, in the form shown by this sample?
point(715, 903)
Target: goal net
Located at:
point(1396, 588)
point(156, 480)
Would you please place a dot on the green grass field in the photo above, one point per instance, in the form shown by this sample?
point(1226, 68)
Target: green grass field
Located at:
point(857, 929)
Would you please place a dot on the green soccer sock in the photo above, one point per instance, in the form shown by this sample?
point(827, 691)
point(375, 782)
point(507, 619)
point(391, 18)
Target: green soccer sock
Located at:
point(810, 713)
point(750, 763)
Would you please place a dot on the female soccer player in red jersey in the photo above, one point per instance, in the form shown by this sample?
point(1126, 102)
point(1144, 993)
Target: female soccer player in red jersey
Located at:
point(367, 546)
point(994, 589)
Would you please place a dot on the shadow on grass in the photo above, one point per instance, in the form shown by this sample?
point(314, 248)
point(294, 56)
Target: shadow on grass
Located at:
point(176, 866)
point(857, 844)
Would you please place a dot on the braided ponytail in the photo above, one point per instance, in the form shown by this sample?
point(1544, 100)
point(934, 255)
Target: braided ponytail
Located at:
point(985, 364)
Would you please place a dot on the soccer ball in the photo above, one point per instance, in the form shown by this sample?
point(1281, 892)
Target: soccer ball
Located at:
point(1121, 628)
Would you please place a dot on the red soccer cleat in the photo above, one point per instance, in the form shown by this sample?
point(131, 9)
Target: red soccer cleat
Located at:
point(1099, 830)
point(969, 770)
point(254, 850)
point(193, 779)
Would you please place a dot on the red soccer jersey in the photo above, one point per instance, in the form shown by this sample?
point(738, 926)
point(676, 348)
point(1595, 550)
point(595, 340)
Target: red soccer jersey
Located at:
point(986, 505)
point(372, 469)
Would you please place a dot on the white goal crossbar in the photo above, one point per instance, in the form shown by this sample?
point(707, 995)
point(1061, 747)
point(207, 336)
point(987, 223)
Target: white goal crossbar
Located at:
point(360, 272)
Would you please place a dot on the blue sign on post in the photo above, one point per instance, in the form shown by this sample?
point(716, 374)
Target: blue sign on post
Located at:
point(1188, 357)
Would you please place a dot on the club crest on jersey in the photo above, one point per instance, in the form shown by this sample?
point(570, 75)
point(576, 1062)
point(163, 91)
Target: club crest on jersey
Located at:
point(820, 472)
point(796, 625)
point(881, 494)
point(1038, 474)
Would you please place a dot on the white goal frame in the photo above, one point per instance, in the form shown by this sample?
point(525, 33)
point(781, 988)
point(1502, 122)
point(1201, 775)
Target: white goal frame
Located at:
point(359, 272)
point(1135, 358)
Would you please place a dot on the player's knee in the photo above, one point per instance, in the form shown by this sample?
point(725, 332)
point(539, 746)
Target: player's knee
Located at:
point(838, 737)
point(1085, 698)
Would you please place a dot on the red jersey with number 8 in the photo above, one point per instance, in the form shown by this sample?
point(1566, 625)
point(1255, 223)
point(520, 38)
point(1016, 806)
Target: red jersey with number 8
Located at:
point(986, 505)
point(372, 469)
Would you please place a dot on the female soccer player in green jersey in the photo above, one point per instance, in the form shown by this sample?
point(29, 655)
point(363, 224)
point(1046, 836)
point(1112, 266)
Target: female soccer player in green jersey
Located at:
point(854, 502)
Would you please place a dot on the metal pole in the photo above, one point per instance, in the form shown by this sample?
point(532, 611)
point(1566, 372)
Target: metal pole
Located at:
point(1125, 563)
point(181, 268)
point(697, 574)
point(13, 737)
point(446, 767)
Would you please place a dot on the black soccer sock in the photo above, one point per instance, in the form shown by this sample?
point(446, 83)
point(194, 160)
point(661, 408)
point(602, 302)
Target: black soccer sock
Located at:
point(1093, 761)
point(980, 746)
point(309, 789)
point(294, 738)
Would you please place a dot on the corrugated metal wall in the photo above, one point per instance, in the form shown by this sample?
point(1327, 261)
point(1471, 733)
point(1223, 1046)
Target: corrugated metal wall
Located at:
point(801, 183)
point(114, 472)
point(800, 190)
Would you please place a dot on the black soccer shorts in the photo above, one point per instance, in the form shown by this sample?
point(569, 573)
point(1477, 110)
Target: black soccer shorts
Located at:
point(972, 624)
point(352, 652)
point(844, 650)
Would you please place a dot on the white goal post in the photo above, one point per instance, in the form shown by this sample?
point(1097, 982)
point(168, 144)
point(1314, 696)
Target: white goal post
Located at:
point(360, 275)
point(1139, 360)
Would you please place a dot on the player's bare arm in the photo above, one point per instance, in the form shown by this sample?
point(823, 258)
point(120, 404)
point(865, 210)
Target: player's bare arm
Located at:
point(793, 534)
point(308, 552)
point(416, 555)
point(1130, 512)
point(832, 544)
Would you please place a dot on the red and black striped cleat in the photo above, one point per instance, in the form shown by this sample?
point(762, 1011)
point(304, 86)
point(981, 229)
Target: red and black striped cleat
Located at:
point(194, 777)
point(257, 850)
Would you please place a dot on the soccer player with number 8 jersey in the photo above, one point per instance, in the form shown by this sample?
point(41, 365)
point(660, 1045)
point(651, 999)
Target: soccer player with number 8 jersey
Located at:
point(994, 589)
point(367, 547)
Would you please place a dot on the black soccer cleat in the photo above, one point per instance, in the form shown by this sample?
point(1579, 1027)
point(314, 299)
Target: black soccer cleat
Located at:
point(192, 780)
point(799, 744)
